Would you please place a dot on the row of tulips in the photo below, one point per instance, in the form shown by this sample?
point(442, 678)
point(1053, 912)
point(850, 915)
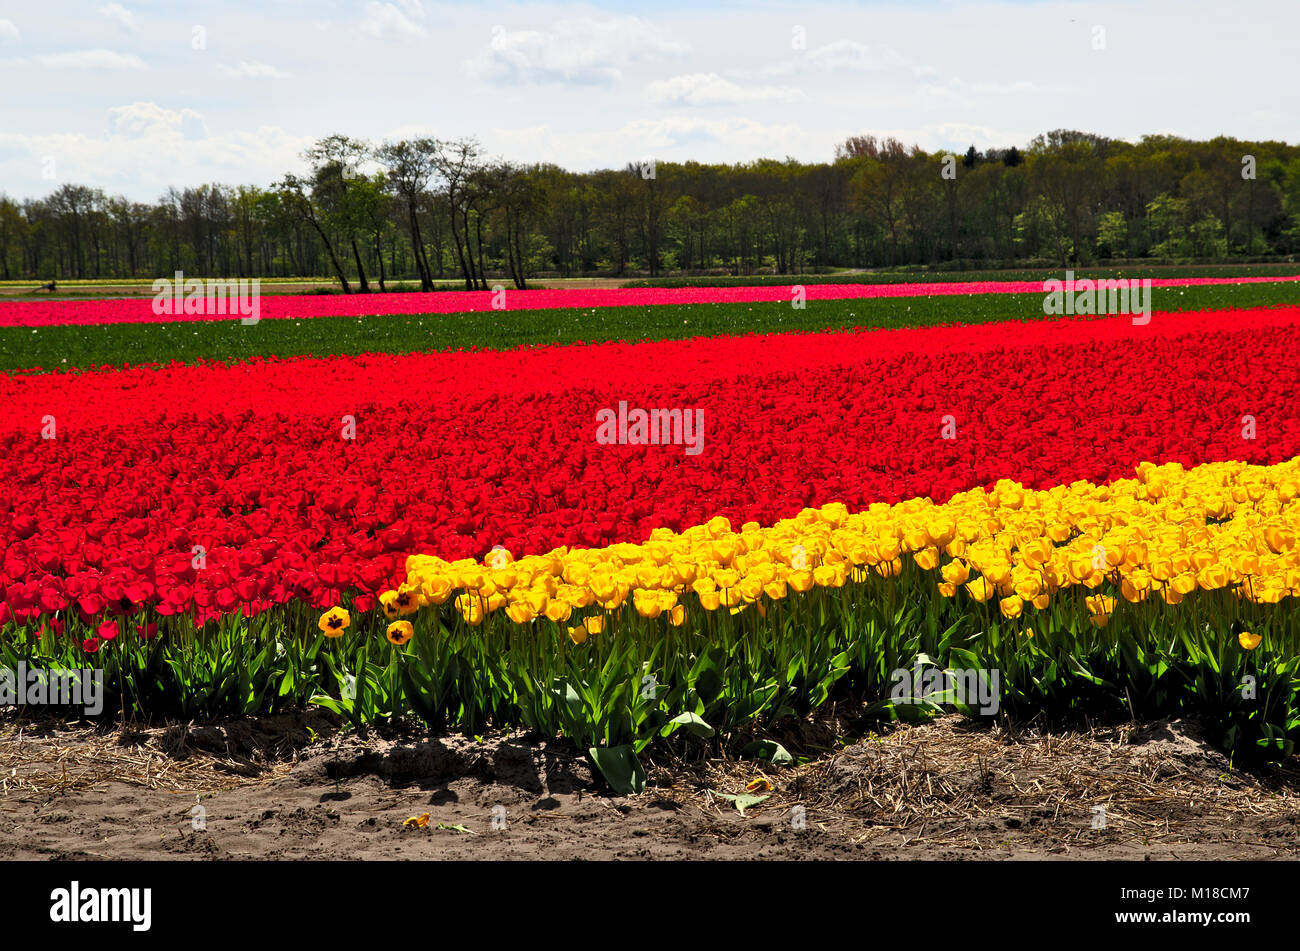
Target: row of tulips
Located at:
point(1165, 534)
point(1168, 594)
point(192, 303)
point(208, 491)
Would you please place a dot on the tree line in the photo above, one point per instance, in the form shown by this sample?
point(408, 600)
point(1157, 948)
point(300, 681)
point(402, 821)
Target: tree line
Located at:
point(426, 209)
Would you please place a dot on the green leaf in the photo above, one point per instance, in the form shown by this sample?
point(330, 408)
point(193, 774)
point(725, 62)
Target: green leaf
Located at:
point(741, 802)
point(708, 685)
point(693, 723)
point(563, 691)
point(910, 710)
point(620, 767)
point(769, 750)
point(456, 828)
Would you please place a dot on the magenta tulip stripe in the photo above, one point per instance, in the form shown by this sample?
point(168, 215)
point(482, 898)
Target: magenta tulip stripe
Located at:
point(285, 307)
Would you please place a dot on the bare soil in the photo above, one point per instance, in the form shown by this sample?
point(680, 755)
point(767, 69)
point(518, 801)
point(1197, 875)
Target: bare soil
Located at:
point(298, 787)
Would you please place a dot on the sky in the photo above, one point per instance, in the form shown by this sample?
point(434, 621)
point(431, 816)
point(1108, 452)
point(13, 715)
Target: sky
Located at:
point(138, 95)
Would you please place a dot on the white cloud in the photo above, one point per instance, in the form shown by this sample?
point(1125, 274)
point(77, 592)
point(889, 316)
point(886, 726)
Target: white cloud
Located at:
point(580, 50)
point(955, 89)
point(710, 89)
point(247, 70)
point(868, 68)
point(951, 134)
point(671, 138)
point(848, 55)
point(148, 147)
point(91, 59)
point(115, 11)
point(148, 119)
point(385, 19)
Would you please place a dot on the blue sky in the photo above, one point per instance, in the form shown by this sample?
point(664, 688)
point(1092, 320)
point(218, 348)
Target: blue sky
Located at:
point(133, 96)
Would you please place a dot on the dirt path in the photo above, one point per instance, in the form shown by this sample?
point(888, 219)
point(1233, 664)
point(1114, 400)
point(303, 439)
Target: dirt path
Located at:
point(110, 290)
point(941, 791)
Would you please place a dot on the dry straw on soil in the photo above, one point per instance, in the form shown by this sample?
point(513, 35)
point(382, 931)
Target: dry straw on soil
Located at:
point(952, 780)
point(949, 782)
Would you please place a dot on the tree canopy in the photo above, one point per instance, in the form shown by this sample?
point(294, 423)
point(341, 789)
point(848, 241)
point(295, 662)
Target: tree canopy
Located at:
point(428, 209)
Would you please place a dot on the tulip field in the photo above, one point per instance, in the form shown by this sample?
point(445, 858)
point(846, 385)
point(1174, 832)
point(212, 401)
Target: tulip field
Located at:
point(1103, 512)
point(140, 310)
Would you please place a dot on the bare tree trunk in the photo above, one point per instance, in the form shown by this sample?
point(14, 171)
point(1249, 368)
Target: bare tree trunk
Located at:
point(361, 271)
point(426, 284)
point(478, 232)
point(379, 255)
point(465, 268)
point(334, 260)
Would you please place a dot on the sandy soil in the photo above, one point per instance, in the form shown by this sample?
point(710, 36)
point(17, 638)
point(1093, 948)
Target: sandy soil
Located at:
point(294, 787)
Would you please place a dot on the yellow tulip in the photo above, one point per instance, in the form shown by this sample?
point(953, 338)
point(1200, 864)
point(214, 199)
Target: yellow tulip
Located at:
point(800, 581)
point(399, 632)
point(718, 525)
point(520, 612)
point(646, 604)
point(955, 573)
point(980, 589)
point(334, 622)
point(941, 531)
point(436, 589)
point(1212, 577)
point(471, 609)
point(1037, 552)
point(927, 559)
point(1101, 604)
point(888, 569)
